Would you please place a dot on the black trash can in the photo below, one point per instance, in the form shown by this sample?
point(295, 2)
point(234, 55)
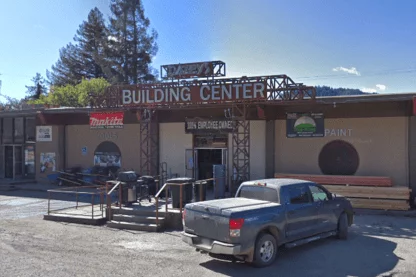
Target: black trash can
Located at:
point(151, 184)
point(186, 193)
point(197, 187)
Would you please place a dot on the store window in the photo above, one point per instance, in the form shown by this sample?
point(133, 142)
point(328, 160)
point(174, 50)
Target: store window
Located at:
point(30, 128)
point(18, 130)
point(107, 154)
point(30, 160)
point(7, 130)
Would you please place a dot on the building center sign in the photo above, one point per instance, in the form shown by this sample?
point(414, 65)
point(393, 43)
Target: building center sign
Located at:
point(194, 94)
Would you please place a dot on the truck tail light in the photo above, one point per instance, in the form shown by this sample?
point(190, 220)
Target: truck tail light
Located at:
point(235, 226)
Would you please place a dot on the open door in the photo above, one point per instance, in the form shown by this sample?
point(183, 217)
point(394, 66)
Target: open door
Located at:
point(225, 162)
point(191, 163)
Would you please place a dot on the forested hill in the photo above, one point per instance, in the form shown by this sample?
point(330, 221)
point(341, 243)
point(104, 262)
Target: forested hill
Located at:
point(328, 91)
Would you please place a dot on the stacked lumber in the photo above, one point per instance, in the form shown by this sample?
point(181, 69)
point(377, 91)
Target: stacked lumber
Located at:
point(364, 192)
point(341, 180)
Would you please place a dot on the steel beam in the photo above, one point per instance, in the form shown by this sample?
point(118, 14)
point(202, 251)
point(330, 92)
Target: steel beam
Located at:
point(149, 142)
point(240, 147)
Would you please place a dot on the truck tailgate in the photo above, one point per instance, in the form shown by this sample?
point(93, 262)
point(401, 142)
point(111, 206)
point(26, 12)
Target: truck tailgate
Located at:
point(210, 219)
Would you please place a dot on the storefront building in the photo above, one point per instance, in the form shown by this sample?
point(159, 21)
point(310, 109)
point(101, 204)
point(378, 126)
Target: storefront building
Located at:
point(248, 128)
point(18, 145)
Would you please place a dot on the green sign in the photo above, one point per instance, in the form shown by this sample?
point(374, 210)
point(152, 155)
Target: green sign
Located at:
point(305, 125)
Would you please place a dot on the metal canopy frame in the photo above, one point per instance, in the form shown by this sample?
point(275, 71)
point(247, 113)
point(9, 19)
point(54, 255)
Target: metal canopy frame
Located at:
point(280, 89)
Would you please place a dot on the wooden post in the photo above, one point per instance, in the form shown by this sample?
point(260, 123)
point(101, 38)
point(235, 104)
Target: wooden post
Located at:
point(92, 206)
point(180, 197)
point(157, 212)
point(119, 195)
point(49, 202)
point(166, 199)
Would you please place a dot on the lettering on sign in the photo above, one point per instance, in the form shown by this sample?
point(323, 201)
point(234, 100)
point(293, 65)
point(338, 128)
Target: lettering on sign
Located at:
point(108, 136)
point(198, 125)
point(203, 69)
point(195, 94)
point(110, 120)
point(338, 132)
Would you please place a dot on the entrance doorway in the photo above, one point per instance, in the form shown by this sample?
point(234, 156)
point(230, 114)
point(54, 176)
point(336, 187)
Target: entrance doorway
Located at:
point(207, 158)
point(13, 161)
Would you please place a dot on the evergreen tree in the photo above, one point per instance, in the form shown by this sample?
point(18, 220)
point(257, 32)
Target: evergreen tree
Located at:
point(38, 88)
point(131, 46)
point(85, 58)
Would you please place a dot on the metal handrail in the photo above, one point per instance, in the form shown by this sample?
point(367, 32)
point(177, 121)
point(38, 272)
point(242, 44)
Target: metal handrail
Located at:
point(65, 191)
point(165, 187)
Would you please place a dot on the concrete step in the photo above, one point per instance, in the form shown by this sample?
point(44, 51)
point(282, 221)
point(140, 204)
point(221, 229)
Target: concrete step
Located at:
point(138, 212)
point(138, 218)
point(133, 226)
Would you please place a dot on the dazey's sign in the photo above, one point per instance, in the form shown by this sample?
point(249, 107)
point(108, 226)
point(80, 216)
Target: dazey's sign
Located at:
point(305, 125)
point(188, 70)
point(110, 120)
point(134, 96)
point(198, 125)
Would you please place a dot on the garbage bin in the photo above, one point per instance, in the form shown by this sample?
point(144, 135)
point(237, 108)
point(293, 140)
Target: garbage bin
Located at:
point(129, 184)
point(197, 189)
point(151, 184)
point(186, 191)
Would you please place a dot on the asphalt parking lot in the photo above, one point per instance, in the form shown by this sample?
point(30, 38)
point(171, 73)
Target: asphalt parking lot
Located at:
point(30, 246)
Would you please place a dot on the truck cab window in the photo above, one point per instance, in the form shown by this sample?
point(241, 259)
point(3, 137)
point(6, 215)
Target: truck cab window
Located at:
point(259, 193)
point(318, 194)
point(298, 195)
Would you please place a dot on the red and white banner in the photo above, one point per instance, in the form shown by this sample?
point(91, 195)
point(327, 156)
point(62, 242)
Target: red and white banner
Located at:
point(110, 120)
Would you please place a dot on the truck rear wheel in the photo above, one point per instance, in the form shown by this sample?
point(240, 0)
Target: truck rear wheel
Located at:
point(265, 250)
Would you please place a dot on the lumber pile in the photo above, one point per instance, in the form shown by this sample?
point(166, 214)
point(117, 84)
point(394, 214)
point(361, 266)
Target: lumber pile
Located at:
point(364, 192)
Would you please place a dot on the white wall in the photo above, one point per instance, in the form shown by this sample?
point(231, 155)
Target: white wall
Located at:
point(172, 142)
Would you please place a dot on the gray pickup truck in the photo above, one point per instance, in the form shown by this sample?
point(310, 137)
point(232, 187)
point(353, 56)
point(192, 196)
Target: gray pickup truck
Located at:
point(264, 215)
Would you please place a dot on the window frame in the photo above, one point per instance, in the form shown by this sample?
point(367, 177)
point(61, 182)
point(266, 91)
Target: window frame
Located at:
point(298, 187)
point(328, 194)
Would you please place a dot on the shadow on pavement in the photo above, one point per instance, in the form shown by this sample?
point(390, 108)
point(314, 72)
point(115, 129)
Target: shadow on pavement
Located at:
point(360, 255)
point(382, 226)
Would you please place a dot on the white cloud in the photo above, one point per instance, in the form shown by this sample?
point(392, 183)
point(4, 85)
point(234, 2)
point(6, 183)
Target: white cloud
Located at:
point(368, 90)
point(351, 70)
point(381, 87)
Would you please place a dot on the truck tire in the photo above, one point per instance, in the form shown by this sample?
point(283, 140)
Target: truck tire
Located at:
point(343, 226)
point(265, 250)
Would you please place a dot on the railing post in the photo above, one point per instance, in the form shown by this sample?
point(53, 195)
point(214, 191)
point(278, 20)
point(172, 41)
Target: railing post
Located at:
point(166, 199)
point(180, 197)
point(120, 191)
point(76, 196)
point(200, 191)
point(92, 205)
point(157, 212)
point(49, 202)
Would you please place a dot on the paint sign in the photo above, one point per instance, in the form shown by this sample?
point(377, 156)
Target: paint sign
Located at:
point(338, 132)
point(305, 125)
point(197, 125)
point(218, 93)
point(110, 120)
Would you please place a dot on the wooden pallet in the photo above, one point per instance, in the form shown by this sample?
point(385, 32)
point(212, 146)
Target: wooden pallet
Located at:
point(399, 193)
point(376, 181)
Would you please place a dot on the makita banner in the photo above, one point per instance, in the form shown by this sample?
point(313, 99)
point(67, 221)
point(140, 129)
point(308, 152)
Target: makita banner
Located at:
point(110, 120)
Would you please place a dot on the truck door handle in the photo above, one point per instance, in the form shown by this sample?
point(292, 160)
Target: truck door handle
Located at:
point(291, 212)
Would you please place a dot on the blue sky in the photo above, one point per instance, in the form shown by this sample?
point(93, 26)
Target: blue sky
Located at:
point(367, 44)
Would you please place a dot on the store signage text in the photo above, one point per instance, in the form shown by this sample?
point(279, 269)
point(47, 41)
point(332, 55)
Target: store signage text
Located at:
point(188, 70)
point(338, 132)
point(195, 94)
point(198, 126)
point(111, 120)
point(108, 136)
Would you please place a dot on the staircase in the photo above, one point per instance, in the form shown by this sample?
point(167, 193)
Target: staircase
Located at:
point(138, 220)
